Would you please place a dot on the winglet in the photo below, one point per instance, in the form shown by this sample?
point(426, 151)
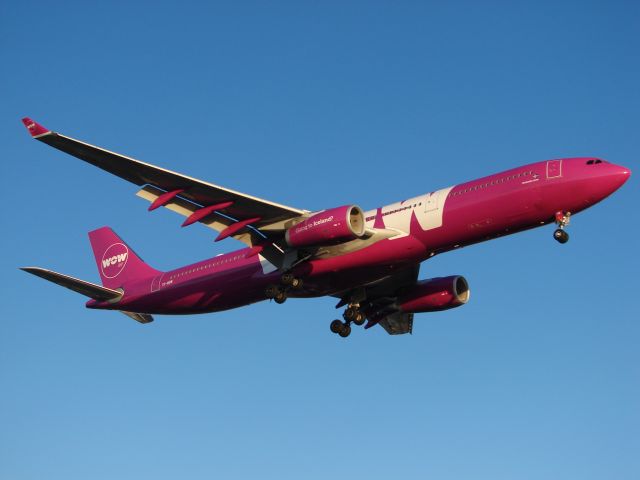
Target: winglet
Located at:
point(35, 129)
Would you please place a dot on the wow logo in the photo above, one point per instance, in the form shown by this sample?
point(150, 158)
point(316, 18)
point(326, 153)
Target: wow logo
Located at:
point(114, 260)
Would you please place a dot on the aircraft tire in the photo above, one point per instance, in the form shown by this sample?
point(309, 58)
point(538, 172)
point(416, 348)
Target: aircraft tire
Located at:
point(335, 326)
point(345, 330)
point(561, 236)
point(287, 279)
point(349, 314)
point(271, 291)
point(280, 297)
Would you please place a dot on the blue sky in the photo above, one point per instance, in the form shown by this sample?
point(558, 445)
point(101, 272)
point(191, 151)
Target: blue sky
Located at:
point(314, 105)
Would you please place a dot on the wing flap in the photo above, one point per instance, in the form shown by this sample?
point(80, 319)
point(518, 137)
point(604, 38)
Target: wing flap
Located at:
point(138, 317)
point(397, 323)
point(82, 287)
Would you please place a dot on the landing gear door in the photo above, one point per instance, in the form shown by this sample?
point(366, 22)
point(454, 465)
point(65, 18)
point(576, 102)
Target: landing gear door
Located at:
point(554, 168)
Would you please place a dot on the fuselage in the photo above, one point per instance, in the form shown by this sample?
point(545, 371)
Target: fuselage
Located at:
point(508, 202)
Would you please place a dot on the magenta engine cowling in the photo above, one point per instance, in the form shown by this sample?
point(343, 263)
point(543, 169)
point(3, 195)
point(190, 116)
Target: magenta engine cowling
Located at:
point(339, 224)
point(435, 294)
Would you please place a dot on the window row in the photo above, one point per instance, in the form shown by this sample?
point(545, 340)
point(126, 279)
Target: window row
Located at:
point(206, 266)
point(492, 183)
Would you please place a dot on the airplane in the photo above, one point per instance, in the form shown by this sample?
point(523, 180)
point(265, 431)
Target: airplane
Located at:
point(368, 260)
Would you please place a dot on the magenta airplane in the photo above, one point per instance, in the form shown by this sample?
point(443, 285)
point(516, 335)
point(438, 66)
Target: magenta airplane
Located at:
point(368, 260)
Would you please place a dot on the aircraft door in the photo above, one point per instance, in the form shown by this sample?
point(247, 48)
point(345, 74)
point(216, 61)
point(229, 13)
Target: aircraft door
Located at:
point(155, 283)
point(431, 202)
point(554, 169)
point(432, 210)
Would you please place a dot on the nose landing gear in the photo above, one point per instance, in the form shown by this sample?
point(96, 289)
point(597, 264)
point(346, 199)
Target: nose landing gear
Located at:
point(562, 220)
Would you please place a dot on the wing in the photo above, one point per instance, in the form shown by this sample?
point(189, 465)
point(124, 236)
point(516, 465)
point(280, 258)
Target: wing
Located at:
point(231, 213)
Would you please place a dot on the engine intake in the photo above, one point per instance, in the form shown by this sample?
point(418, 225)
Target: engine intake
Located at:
point(335, 225)
point(435, 294)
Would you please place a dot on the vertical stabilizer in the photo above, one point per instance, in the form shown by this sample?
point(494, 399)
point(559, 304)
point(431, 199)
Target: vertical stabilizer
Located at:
point(117, 263)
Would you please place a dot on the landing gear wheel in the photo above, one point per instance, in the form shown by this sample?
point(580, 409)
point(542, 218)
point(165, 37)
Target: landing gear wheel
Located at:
point(336, 326)
point(280, 297)
point(290, 280)
point(345, 330)
point(349, 314)
point(271, 291)
point(561, 235)
point(359, 319)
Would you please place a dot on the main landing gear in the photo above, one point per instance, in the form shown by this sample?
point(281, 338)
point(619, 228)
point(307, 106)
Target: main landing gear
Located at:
point(341, 328)
point(279, 293)
point(352, 314)
point(562, 220)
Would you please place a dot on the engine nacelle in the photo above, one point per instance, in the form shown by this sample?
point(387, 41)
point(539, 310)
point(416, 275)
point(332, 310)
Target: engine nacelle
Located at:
point(435, 294)
point(335, 225)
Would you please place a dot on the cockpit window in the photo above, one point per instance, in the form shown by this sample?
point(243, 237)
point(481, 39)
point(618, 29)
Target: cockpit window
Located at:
point(594, 161)
point(590, 162)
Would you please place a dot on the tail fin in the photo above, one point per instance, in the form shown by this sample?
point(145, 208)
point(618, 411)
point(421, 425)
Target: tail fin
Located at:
point(117, 263)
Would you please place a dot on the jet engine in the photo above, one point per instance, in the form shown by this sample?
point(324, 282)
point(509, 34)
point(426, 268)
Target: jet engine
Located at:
point(435, 294)
point(335, 225)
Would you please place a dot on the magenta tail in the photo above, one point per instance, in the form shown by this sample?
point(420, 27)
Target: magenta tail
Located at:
point(117, 263)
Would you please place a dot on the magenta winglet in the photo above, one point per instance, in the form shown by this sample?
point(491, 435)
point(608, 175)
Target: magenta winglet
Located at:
point(35, 129)
point(163, 199)
point(204, 211)
point(231, 229)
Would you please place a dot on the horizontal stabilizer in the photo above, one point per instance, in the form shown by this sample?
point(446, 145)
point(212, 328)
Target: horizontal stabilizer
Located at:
point(87, 289)
point(139, 317)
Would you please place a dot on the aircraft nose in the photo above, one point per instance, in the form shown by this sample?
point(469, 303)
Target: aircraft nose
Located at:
point(611, 177)
point(619, 175)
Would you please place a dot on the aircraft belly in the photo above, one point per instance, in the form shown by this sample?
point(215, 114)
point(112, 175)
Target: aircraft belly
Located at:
point(379, 259)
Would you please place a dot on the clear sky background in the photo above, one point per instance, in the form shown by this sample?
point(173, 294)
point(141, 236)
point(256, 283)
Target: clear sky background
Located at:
point(314, 105)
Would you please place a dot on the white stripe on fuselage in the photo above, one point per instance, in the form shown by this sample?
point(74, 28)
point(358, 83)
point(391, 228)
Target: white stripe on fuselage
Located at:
point(428, 209)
